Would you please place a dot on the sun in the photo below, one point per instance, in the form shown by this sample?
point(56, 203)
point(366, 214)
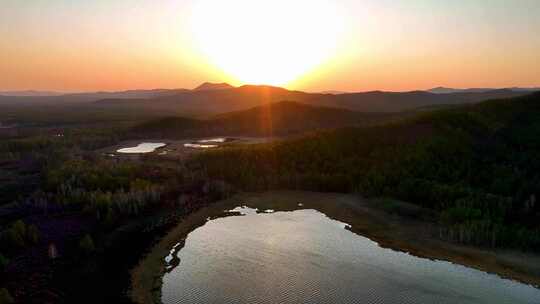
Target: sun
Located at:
point(267, 41)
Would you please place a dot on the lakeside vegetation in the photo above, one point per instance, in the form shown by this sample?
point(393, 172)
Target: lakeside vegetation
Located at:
point(67, 210)
point(477, 166)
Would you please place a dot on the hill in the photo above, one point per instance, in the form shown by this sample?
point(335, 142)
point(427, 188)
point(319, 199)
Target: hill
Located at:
point(211, 102)
point(378, 101)
point(287, 117)
point(443, 90)
point(211, 99)
point(208, 86)
point(477, 167)
point(54, 99)
point(275, 119)
point(29, 93)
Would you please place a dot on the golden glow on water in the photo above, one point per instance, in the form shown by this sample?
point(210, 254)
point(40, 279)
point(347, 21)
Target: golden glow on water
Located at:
point(267, 42)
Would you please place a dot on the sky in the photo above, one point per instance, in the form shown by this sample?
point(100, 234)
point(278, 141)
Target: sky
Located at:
point(311, 45)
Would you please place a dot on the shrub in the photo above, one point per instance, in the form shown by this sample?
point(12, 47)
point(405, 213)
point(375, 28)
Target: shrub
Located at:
point(19, 227)
point(32, 234)
point(3, 262)
point(5, 297)
point(86, 244)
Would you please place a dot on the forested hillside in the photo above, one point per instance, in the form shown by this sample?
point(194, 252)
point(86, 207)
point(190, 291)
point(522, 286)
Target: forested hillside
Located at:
point(478, 167)
point(275, 119)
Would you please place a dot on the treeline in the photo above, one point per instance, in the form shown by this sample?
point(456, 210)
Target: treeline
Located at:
point(22, 160)
point(106, 189)
point(95, 211)
point(478, 167)
point(67, 210)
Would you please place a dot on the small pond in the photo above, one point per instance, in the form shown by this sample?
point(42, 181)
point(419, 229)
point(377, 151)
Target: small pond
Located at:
point(303, 256)
point(142, 148)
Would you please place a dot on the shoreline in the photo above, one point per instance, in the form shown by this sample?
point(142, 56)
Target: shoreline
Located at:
point(396, 232)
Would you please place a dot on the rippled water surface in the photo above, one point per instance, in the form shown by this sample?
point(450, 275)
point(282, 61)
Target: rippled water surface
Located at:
point(142, 148)
point(306, 257)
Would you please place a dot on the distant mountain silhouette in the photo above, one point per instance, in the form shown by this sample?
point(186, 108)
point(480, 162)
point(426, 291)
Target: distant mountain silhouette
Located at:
point(142, 94)
point(86, 97)
point(444, 90)
point(216, 101)
point(208, 86)
point(379, 101)
point(517, 89)
point(248, 96)
point(211, 102)
point(29, 93)
point(333, 92)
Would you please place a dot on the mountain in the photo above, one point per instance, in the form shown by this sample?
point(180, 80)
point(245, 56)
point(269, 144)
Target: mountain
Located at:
point(443, 90)
point(333, 92)
point(211, 102)
point(74, 98)
point(208, 86)
point(207, 100)
point(379, 101)
point(29, 93)
point(140, 94)
point(517, 89)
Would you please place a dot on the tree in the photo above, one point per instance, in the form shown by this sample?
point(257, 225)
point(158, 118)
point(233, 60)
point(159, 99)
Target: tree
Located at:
point(32, 234)
point(86, 244)
point(3, 262)
point(5, 297)
point(19, 227)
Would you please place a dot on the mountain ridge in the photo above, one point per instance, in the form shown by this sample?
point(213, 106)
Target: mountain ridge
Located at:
point(209, 86)
point(447, 90)
point(215, 101)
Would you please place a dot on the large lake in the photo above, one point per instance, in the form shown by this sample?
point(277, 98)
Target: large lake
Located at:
point(305, 257)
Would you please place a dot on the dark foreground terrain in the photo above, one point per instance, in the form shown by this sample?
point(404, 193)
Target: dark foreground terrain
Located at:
point(74, 221)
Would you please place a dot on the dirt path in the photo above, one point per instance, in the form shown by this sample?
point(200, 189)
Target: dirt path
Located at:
point(405, 233)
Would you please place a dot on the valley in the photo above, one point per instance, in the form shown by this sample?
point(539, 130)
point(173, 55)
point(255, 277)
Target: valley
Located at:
point(421, 181)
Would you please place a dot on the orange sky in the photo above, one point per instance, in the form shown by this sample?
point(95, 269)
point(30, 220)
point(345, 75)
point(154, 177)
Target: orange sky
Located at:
point(350, 45)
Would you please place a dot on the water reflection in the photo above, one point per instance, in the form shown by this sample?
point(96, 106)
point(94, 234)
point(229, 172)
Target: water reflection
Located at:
point(208, 143)
point(214, 140)
point(200, 146)
point(142, 148)
point(306, 257)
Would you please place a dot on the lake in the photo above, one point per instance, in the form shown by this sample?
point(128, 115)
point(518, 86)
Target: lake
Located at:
point(142, 148)
point(303, 256)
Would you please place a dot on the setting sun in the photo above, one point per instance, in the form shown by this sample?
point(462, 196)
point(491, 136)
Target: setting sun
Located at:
point(270, 42)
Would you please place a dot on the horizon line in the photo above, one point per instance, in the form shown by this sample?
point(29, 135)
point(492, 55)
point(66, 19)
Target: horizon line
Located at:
point(67, 92)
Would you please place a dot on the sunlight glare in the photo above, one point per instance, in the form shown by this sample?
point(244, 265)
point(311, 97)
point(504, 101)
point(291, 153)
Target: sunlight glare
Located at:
point(267, 41)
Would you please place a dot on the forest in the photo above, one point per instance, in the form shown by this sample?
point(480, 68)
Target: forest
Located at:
point(86, 212)
point(476, 166)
